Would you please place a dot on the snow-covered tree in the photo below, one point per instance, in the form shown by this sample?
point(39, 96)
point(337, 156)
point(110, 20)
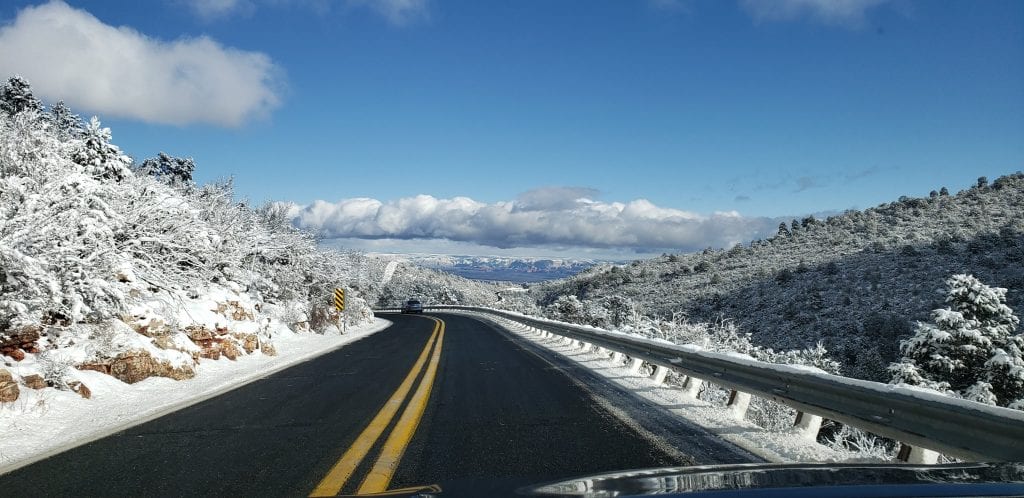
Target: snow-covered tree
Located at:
point(173, 170)
point(83, 240)
point(16, 96)
point(570, 309)
point(783, 229)
point(972, 350)
point(66, 124)
point(101, 158)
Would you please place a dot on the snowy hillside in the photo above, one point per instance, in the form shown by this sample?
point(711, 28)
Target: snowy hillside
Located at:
point(386, 280)
point(133, 270)
point(855, 281)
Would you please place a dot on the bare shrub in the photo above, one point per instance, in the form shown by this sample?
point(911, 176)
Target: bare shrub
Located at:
point(862, 444)
point(54, 368)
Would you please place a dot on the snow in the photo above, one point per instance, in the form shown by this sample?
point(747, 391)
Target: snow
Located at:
point(781, 447)
point(48, 421)
point(778, 445)
point(389, 271)
point(909, 390)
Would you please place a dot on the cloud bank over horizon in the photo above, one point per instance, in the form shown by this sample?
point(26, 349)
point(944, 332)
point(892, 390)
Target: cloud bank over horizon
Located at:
point(546, 217)
point(68, 54)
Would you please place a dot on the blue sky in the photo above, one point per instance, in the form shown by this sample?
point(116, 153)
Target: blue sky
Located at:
point(754, 109)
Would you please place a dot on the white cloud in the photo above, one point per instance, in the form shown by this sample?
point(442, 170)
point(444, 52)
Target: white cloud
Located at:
point(553, 198)
point(397, 12)
point(638, 225)
point(216, 9)
point(68, 54)
point(849, 13)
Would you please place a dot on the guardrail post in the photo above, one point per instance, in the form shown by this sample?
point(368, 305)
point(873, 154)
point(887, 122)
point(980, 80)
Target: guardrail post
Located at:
point(659, 374)
point(916, 454)
point(601, 351)
point(616, 357)
point(738, 403)
point(635, 364)
point(691, 387)
point(586, 346)
point(807, 425)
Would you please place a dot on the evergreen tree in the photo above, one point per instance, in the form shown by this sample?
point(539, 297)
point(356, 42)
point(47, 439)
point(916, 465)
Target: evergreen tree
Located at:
point(16, 96)
point(943, 191)
point(783, 229)
point(101, 158)
point(66, 123)
point(971, 351)
point(174, 170)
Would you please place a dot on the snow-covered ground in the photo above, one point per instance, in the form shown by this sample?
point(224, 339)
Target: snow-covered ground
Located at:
point(45, 422)
point(779, 447)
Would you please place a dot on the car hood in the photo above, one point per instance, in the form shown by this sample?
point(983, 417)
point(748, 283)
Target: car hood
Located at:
point(976, 479)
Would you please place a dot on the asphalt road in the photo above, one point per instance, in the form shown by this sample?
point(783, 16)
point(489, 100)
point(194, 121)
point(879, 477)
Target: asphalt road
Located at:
point(483, 413)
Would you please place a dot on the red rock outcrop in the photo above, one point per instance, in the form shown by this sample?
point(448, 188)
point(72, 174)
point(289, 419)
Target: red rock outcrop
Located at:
point(81, 389)
point(134, 366)
point(34, 381)
point(8, 387)
point(15, 342)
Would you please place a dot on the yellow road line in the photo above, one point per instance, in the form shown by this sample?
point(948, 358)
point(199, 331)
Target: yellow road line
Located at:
point(342, 470)
point(384, 469)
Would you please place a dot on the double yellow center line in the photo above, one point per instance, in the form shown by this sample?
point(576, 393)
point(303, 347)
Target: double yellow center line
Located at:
point(377, 480)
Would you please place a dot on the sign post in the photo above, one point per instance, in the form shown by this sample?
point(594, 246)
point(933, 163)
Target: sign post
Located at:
point(339, 304)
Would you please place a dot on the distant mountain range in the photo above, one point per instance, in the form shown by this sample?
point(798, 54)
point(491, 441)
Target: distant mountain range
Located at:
point(498, 268)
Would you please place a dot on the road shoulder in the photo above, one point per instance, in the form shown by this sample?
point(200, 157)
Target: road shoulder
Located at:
point(57, 421)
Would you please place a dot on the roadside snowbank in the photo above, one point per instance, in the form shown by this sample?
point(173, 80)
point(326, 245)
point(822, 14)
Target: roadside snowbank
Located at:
point(45, 422)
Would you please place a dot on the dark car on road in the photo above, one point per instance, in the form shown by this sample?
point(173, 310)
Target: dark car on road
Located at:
point(412, 306)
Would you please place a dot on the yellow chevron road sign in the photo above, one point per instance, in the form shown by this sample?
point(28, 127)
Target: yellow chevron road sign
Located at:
point(339, 299)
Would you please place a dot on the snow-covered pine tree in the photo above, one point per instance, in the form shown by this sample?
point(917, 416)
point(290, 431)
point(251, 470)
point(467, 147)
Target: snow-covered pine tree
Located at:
point(101, 158)
point(173, 170)
point(783, 229)
point(66, 123)
point(971, 351)
point(16, 96)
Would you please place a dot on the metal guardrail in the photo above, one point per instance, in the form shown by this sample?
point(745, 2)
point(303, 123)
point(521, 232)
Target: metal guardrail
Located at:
point(959, 428)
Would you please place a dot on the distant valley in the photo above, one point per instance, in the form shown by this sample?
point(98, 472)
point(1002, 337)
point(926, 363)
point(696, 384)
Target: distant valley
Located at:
point(505, 269)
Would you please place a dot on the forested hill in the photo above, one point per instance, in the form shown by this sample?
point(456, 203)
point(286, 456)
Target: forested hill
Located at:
point(855, 281)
